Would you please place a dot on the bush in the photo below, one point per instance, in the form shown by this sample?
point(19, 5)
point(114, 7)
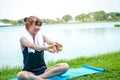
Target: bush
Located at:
point(117, 25)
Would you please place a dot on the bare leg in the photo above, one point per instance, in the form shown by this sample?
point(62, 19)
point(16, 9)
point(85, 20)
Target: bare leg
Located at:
point(25, 75)
point(52, 71)
point(55, 70)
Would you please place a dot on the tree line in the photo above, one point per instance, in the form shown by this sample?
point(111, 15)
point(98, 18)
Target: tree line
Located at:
point(89, 17)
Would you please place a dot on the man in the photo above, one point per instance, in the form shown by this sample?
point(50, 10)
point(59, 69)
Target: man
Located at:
point(32, 45)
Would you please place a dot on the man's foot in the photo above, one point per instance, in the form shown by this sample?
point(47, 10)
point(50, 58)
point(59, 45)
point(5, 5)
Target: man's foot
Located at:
point(34, 77)
point(39, 78)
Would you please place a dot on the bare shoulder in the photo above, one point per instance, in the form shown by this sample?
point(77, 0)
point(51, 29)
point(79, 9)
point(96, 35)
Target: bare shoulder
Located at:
point(21, 42)
point(23, 38)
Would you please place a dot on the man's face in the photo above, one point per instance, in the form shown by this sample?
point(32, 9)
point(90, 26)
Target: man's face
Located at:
point(33, 29)
point(33, 24)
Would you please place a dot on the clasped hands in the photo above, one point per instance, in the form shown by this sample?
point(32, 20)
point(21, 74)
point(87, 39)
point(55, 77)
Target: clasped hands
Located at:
point(54, 48)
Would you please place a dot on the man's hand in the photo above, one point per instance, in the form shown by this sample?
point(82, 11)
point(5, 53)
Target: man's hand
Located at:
point(52, 48)
point(59, 47)
point(55, 48)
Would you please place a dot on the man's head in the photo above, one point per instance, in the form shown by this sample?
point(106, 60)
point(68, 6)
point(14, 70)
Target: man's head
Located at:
point(31, 21)
point(32, 24)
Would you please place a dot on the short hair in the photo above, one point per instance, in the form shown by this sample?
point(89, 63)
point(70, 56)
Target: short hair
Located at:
point(32, 20)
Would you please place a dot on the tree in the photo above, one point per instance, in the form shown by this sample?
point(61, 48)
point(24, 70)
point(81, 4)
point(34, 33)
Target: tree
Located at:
point(20, 22)
point(80, 17)
point(5, 21)
point(115, 15)
point(67, 18)
point(100, 16)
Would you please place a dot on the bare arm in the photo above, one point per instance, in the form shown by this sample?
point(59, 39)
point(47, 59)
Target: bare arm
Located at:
point(48, 41)
point(25, 42)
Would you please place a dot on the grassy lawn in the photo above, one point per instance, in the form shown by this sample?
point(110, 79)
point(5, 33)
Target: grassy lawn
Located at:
point(109, 61)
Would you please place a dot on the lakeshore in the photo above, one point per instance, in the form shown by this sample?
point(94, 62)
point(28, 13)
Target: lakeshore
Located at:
point(109, 61)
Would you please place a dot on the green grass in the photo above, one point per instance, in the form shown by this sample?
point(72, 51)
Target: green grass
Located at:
point(117, 25)
point(109, 61)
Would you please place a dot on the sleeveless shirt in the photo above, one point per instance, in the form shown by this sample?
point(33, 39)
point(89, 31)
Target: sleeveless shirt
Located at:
point(32, 60)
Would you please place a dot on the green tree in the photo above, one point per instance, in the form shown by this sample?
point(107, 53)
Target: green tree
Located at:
point(67, 18)
point(5, 20)
point(118, 16)
point(114, 16)
point(20, 22)
point(80, 17)
point(13, 23)
point(100, 16)
point(91, 16)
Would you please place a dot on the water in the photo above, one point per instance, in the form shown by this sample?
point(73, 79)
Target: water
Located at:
point(85, 39)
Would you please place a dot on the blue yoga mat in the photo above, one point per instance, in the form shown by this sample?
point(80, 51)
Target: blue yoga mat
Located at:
point(76, 72)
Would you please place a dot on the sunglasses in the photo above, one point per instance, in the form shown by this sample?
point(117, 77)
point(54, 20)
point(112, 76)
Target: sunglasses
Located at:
point(37, 22)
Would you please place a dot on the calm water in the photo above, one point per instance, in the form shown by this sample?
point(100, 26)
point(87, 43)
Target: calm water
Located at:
point(78, 40)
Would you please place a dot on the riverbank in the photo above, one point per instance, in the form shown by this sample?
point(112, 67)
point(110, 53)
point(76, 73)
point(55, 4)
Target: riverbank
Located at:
point(109, 61)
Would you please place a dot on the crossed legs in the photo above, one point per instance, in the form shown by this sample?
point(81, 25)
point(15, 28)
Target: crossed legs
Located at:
point(52, 71)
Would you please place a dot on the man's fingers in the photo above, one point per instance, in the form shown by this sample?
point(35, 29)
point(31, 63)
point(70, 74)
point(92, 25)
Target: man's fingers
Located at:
point(58, 47)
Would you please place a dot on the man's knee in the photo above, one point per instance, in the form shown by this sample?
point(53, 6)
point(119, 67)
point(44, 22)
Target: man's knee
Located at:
point(64, 66)
point(22, 74)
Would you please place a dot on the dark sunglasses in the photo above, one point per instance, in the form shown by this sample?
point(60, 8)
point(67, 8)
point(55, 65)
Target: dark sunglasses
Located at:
point(36, 22)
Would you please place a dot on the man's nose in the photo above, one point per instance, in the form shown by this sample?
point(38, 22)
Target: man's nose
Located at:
point(37, 28)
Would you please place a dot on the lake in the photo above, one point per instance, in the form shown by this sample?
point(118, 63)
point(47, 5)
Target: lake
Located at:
point(85, 39)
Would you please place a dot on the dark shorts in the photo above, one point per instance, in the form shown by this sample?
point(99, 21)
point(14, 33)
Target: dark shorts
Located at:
point(38, 72)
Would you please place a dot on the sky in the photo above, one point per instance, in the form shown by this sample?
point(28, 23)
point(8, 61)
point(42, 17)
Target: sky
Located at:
point(17, 9)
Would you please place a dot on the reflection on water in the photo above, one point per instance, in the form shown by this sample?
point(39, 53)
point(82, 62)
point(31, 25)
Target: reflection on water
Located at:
point(77, 39)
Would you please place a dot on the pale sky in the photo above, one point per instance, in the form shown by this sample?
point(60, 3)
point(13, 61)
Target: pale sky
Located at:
point(17, 9)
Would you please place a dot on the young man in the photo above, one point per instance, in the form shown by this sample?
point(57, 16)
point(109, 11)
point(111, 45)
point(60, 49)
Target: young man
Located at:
point(32, 45)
